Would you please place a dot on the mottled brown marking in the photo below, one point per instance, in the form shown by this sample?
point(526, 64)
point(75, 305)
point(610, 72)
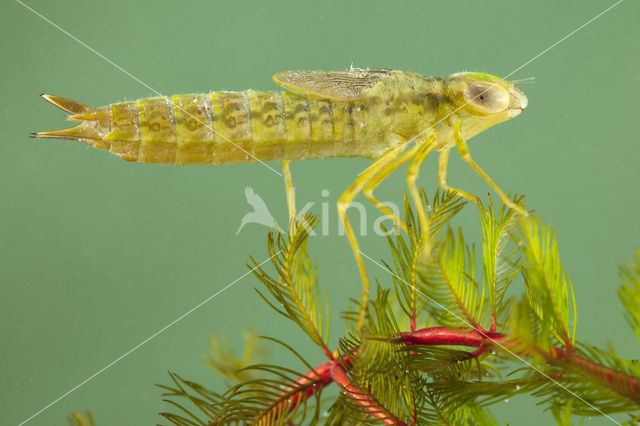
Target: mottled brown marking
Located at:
point(434, 100)
point(193, 129)
point(297, 130)
point(301, 108)
point(157, 122)
point(268, 106)
point(192, 124)
point(321, 123)
point(126, 122)
point(268, 128)
point(231, 121)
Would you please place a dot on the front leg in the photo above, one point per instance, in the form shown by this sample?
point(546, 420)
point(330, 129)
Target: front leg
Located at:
point(463, 149)
point(412, 175)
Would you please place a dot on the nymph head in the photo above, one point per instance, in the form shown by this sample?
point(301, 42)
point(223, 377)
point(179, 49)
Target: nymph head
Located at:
point(483, 100)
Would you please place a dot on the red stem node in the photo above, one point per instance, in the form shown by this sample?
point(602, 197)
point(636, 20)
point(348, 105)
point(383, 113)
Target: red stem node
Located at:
point(320, 375)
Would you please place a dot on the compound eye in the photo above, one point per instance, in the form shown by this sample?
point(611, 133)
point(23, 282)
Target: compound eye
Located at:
point(488, 98)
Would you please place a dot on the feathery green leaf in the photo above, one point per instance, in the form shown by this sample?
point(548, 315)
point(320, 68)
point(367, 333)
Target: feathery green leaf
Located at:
point(629, 292)
point(549, 289)
point(295, 287)
point(448, 280)
point(500, 264)
point(80, 419)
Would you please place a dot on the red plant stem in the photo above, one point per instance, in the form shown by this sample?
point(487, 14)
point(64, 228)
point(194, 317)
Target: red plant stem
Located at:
point(333, 371)
point(625, 384)
point(321, 375)
point(444, 336)
point(359, 397)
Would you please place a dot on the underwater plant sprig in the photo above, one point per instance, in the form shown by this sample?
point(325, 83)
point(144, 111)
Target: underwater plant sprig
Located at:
point(419, 359)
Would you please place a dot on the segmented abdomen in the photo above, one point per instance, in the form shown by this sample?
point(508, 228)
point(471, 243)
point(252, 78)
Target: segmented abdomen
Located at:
point(231, 127)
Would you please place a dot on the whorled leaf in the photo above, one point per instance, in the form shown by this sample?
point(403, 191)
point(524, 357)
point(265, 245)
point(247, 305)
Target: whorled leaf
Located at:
point(629, 292)
point(600, 382)
point(379, 366)
point(549, 289)
point(562, 413)
point(80, 419)
point(294, 286)
point(275, 398)
point(430, 384)
point(500, 261)
point(342, 412)
point(185, 392)
point(438, 410)
point(223, 359)
point(448, 281)
point(528, 335)
point(407, 251)
point(436, 362)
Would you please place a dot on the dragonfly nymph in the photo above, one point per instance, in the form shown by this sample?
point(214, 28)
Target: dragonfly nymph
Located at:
point(393, 117)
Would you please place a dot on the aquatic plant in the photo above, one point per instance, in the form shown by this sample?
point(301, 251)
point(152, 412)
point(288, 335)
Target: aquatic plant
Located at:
point(445, 337)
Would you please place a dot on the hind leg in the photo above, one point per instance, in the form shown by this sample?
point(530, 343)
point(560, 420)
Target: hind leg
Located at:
point(343, 203)
point(288, 183)
point(412, 175)
point(373, 183)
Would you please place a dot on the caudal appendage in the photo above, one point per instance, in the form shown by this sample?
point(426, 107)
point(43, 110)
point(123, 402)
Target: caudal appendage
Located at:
point(95, 124)
point(86, 131)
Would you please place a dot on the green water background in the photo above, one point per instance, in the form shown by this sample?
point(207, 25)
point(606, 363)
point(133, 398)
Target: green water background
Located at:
point(98, 254)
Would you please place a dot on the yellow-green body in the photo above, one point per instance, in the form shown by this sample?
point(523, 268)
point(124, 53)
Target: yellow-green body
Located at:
point(232, 127)
point(372, 113)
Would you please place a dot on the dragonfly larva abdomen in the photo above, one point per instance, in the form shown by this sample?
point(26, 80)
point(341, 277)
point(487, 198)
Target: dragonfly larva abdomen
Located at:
point(357, 113)
point(219, 128)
